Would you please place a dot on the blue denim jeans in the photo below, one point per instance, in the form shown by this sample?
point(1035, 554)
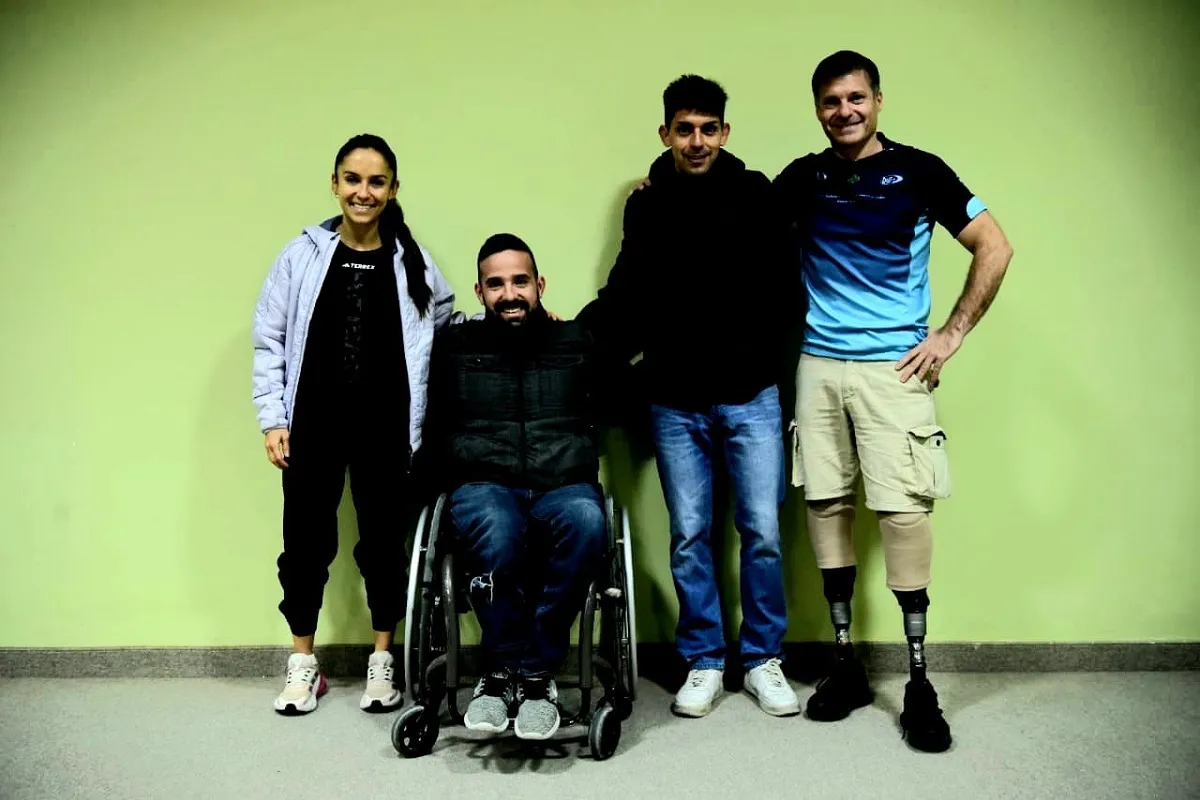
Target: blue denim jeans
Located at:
point(750, 436)
point(530, 557)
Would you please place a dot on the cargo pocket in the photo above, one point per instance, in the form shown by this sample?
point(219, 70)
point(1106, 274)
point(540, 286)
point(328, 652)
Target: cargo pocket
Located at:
point(797, 462)
point(931, 465)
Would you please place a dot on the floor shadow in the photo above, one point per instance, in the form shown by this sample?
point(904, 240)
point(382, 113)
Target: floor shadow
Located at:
point(963, 690)
point(507, 754)
point(957, 692)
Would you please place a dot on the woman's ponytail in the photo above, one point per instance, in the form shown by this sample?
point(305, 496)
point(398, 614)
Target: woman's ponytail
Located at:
point(392, 229)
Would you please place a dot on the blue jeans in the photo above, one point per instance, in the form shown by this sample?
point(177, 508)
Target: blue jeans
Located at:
point(530, 557)
point(751, 438)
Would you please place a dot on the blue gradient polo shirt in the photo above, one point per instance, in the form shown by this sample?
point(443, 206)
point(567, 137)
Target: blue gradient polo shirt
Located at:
point(865, 229)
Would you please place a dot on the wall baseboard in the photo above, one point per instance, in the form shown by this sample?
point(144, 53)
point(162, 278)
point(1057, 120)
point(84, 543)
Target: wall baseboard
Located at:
point(805, 660)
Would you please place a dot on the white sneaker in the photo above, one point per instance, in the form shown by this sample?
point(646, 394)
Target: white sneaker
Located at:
point(381, 693)
point(695, 698)
point(768, 685)
point(305, 684)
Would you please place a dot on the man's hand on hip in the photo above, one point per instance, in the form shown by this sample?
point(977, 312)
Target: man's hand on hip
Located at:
point(927, 359)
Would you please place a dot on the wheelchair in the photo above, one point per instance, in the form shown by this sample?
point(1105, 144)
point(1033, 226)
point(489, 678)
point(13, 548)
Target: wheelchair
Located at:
point(436, 598)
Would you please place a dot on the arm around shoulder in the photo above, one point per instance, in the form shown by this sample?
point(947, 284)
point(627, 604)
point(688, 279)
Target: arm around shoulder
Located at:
point(431, 465)
point(607, 317)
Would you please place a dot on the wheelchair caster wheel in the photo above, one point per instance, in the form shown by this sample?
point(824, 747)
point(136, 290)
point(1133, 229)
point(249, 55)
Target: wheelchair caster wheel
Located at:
point(604, 733)
point(622, 707)
point(412, 734)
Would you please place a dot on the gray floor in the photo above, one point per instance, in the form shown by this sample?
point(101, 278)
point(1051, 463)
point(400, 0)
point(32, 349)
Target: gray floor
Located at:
point(1094, 735)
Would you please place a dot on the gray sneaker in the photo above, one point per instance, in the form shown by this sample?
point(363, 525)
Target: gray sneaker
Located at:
point(488, 711)
point(537, 716)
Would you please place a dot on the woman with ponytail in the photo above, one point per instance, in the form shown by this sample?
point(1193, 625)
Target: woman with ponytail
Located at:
point(343, 332)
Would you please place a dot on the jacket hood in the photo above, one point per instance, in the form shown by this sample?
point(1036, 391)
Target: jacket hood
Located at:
point(323, 232)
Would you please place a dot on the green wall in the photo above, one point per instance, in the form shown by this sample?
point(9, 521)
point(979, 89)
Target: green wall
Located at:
point(158, 156)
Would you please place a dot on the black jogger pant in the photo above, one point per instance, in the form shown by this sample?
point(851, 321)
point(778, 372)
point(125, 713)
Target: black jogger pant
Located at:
point(313, 484)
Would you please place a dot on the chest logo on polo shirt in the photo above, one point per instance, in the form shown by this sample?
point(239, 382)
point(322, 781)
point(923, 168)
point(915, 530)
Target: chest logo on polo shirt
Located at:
point(888, 180)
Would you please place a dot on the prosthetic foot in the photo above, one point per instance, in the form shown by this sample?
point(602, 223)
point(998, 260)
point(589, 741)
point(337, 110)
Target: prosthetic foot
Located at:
point(846, 687)
point(924, 726)
point(842, 691)
point(921, 720)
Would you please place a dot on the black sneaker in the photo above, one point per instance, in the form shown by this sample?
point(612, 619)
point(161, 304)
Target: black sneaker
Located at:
point(843, 690)
point(922, 720)
point(489, 708)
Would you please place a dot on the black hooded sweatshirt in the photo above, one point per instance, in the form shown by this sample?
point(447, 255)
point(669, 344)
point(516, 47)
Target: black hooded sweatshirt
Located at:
point(704, 287)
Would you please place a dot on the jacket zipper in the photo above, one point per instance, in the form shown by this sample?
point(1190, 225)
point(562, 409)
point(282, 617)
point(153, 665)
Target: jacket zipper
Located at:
point(521, 412)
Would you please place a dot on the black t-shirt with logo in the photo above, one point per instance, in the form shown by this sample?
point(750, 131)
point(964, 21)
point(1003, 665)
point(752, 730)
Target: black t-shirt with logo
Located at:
point(354, 357)
point(865, 229)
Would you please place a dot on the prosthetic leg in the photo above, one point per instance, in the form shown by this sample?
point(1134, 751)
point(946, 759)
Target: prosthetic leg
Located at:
point(908, 549)
point(845, 688)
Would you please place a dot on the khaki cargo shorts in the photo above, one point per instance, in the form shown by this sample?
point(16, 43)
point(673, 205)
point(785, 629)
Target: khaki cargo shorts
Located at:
point(856, 416)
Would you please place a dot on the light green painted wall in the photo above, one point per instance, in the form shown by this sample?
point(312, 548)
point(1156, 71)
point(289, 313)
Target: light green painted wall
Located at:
point(158, 156)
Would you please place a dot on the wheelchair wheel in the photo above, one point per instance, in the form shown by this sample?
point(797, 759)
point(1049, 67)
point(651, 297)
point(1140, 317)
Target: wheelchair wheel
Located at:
point(449, 619)
point(604, 733)
point(627, 663)
point(411, 607)
point(414, 732)
point(428, 634)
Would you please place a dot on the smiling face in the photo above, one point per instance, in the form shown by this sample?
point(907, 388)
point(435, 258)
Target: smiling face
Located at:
point(509, 287)
point(848, 109)
point(363, 184)
point(695, 140)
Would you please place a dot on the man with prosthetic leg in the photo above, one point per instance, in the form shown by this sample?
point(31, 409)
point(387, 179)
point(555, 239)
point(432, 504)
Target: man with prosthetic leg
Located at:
point(863, 211)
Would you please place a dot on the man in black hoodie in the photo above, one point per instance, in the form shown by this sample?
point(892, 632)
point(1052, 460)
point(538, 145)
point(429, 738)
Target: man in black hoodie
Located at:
point(701, 288)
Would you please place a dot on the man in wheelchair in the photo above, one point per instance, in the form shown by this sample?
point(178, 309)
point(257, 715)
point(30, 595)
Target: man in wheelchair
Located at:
point(512, 399)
